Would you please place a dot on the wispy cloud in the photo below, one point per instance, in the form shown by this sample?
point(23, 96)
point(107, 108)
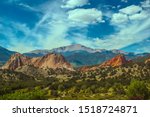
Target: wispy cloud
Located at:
point(132, 27)
point(15, 42)
point(52, 30)
point(28, 7)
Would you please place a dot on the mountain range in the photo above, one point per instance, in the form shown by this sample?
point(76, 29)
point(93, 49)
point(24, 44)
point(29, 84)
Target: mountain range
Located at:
point(77, 55)
point(75, 70)
point(53, 65)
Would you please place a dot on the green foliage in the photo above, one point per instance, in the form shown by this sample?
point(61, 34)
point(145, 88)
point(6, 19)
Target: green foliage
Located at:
point(137, 90)
point(118, 88)
point(26, 94)
point(100, 84)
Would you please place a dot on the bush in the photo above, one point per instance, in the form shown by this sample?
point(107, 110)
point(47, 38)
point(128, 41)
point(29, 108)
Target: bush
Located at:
point(137, 90)
point(118, 89)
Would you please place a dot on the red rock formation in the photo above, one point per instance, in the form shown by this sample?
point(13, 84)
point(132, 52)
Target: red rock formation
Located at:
point(116, 61)
point(85, 68)
point(147, 61)
point(16, 60)
point(52, 61)
point(48, 61)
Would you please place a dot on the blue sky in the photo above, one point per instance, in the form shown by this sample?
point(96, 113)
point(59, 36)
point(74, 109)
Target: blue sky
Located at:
point(27, 25)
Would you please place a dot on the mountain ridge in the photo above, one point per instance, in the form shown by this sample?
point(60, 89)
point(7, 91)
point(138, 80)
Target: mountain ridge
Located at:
point(79, 55)
point(73, 47)
point(5, 54)
point(76, 54)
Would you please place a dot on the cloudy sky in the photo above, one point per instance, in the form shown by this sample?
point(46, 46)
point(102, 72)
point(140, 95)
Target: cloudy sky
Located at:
point(27, 25)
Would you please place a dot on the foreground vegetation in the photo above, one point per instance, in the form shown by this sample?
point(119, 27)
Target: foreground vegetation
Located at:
point(77, 89)
point(102, 84)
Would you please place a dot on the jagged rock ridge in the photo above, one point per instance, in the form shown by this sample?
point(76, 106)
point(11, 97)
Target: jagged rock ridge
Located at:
point(116, 61)
point(48, 61)
point(16, 60)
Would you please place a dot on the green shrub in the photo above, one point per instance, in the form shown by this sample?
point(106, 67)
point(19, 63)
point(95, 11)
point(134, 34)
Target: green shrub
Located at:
point(137, 90)
point(118, 89)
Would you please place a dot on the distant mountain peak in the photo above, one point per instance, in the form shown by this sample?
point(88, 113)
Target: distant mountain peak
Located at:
point(79, 55)
point(74, 47)
point(119, 51)
point(79, 45)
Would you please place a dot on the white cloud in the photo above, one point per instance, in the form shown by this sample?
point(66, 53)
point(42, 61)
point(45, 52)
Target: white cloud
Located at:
point(15, 43)
point(130, 10)
point(57, 35)
point(49, 32)
point(85, 16)
point(132, 13)
point(131, 33)
point(132, 26)
point(55, 21)
point(146, 4)
point(55, 24)
point(75, 3)
point(128, 33)
point(139, 16)
point(119, 18)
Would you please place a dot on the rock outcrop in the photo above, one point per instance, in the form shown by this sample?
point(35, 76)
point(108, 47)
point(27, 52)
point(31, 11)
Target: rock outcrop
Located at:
point(147, 61)
point(52, 60)
point(16, 60)
point(116, 61)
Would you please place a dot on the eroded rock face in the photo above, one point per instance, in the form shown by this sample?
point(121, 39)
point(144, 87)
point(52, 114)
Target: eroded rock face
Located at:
point(16, 60)
point(52, 61)
point(48, 61)
point(116, 61)
point(147, 61)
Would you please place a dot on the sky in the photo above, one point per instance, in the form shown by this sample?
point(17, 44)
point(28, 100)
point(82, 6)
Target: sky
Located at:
point(27, 25)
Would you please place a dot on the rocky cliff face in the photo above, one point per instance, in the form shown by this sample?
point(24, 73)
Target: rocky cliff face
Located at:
point(147, 61)
point(16, 60)
point(116, 61)
point(52, 61)
point(48, 61)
